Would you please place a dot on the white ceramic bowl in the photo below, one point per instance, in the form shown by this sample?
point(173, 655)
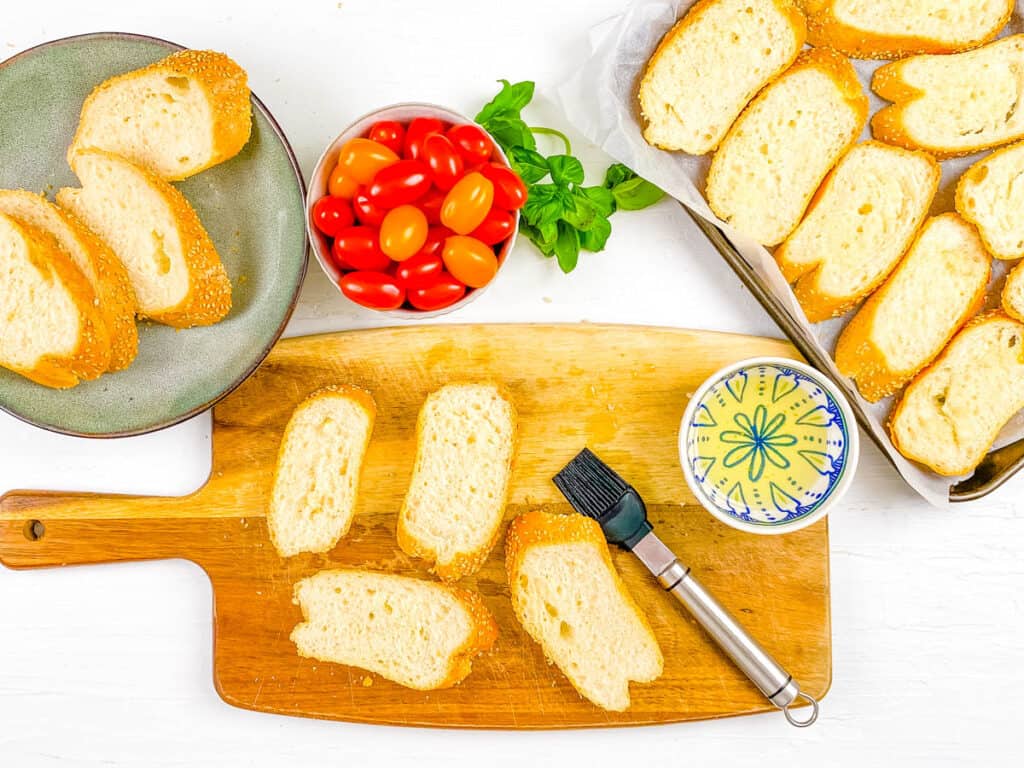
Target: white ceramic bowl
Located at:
point(403, 113)
point(768, 445)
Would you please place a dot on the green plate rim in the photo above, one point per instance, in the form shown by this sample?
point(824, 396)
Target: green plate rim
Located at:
point(262, 355)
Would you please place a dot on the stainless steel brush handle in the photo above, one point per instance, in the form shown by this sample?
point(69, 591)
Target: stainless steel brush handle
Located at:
point(755, 662)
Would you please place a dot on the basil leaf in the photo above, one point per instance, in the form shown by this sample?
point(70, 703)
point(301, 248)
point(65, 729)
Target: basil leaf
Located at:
point(602, 199)
point(567, 247)
point(543, 205)
point(635, 194)
point(565, 169)
point(583, 214)
point(510, 99)
point(616, 174)
point(510, 132)
point(594, 239)
point(529, 164)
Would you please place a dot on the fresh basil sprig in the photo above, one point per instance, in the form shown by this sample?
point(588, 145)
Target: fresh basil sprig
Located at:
point(561, 216)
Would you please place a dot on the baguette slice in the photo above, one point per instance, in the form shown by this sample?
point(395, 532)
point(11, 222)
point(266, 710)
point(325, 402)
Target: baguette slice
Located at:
point(907, 322)
point(51, 330)
point(569, 598)
point(953, 105)
point(779, 150)
point(892, 29)
point(456, 500)
point(94, 260)
point(175, 117)
point(861, 221)
point(990, 195)
point(1013, 293)
point(952, 412)
point(710, 64)
point(317, 477)
point(419, 634)
point(178, 277)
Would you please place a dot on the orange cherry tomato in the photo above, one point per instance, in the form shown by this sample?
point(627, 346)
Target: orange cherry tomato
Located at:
point(390, 133)
point(469, 260)
point(362, 159)
point(375, 290)
point(496, 226)
point(467, 203)
point(403, 232)
point(340, 184)
point(436, 292)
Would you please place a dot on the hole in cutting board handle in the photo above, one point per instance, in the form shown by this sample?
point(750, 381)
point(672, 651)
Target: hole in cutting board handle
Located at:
point(34, 530)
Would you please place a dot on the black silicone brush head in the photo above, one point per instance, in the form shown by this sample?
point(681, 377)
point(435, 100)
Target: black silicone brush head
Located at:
point(595, 490)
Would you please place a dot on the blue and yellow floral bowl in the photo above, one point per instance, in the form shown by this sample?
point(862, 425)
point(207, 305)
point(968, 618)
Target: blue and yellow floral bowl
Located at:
point(768, 445)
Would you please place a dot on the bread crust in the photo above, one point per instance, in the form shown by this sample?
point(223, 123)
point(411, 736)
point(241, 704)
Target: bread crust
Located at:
point(1014, 285)
point(824, 29)
point(963, 189)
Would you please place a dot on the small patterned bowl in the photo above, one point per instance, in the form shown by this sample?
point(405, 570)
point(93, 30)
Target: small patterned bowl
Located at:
point(768, 445)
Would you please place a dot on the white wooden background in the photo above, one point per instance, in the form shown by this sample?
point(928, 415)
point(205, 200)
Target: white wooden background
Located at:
point(112, 665)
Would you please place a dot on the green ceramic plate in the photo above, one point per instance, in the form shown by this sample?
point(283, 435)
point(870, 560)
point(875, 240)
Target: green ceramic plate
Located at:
point(252, 206)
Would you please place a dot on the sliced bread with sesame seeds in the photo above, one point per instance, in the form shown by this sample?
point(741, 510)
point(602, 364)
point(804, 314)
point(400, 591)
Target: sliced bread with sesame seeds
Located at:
point(952, 412)
point(953, 105)
point(990, 195)
point(892, 29)
point(96, 262)
point(419, 634)
point(570, 599)
point(710, 64)
point(779, 150)
point(452, 512)
point(936, 288)
point(1013, 293)
point(859, 224)
point(176, 117)
point(178, 277)
point(52, 330)
point(316, 482)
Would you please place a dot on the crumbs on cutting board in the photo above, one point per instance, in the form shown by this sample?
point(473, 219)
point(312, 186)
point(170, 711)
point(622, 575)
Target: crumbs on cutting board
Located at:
point(367, 681)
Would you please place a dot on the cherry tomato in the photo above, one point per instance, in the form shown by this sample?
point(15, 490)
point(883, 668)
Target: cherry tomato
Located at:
point(436, 292)
point(366, 212)
point(467, 203)
point(445, 163)
point(358, 248)
point(417, 131)
point(375, 290)
point(403, 232)
point(398, 184)
point(340, 184)
point(431, 204)
point(497, 226)
point(390, 133)
point(363, 159)
point(469, 260)
point(472, 142)
point(509, 190)
point(412, 272)
point(435, 240)
point(331, 214)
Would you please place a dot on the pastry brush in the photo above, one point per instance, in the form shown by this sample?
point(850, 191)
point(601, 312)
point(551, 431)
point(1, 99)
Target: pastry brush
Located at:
point(596, 491)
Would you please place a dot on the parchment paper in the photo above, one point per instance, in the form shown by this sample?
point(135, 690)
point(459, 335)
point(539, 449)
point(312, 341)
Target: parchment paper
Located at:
point(600, 100)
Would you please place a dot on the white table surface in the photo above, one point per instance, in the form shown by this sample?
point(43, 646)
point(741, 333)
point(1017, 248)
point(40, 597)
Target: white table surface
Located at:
point(111, 665)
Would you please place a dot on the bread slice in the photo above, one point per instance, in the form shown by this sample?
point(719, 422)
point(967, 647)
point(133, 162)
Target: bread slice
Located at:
point(1013, 293)
point(952, 412)
point(175, 117)
point(51, 330)
point(94, 260)
point(779, 150)
point(710, 64)
point(456, 500)
point(892, 29)
point(907, 322)
point(859, 224)
point(953, 105)
point(990, 195)
point(178, 277)
point(419, 634)
point(569, 598)
point(317, 477)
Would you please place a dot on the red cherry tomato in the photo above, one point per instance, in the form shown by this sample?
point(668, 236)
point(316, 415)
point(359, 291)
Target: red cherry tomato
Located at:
point(340, 184)
point(365, 211)
point(417, 131)
point(444, 162)
point(469, 260)
point(390, 133)
point(358, 248)
point(403, 232)
point(497, 226)
point(472, 142)
point(436, 292)
point(431, 204)
point(509, 190)
point(412, 272)
point(362, 159)
point(467, 203)
point(331, 214)
point(398, 184)
point(375, 290)
point(435, 240)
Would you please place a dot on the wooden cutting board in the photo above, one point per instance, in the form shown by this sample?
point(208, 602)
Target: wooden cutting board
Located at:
point(620, 390)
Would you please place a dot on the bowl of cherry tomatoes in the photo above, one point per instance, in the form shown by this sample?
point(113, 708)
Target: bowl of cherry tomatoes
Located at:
point(413, 209)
